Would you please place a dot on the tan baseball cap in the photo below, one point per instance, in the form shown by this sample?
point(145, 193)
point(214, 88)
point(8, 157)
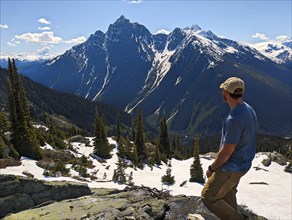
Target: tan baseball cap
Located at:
point(232, 84)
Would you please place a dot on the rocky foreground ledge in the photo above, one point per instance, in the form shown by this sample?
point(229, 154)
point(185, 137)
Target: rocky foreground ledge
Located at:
point(68, 200)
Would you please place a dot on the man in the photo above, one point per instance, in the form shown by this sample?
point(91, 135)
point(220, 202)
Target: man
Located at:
point(237, 150)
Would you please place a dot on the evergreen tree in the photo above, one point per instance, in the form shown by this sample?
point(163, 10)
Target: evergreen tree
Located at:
point(3, 122)
point(135, 155)
point(176, 149)
point(96, 129)
point(173, 145)
point(130, 179)
point(119, 173)
point(196, 170)
point(157, 156)
point(122, 148)
point(167, 179)
point(140, 141)
point(133, 130)
point(163, 140)
point(118, 127)
point(115, 177)
point(73, 131)
point(129, 149)
point(101, 145)
point(24, 138)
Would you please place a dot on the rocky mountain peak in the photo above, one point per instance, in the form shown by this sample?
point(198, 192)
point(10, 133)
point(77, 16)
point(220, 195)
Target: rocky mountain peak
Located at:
point(194, 27)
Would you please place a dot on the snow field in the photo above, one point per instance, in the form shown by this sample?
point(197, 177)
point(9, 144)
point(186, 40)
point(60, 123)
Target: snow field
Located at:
point(273, 199)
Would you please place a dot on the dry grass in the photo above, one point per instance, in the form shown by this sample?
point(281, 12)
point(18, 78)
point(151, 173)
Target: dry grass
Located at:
point(9, 162)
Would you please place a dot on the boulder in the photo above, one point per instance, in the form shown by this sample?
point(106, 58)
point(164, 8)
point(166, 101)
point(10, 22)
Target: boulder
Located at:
point(20, 193)
point(9, 185)
point(15, 203)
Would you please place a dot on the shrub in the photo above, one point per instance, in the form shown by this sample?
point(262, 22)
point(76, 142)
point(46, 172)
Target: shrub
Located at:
point(288, 168)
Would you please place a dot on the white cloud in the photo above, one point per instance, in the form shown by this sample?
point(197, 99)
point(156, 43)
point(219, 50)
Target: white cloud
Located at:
point(77, 40)
point(44, 51)
point(44, 28)
point(44, 21)
point(40, 54)
point(260, 36)
point(282, 38)
point(11, 44)
point(133, 1)
point(46, 37)
point(3, 26)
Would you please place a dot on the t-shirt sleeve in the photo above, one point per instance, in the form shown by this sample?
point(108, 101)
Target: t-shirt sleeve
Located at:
point(233, 132)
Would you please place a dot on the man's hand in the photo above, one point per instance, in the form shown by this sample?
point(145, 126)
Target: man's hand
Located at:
point(208, 173)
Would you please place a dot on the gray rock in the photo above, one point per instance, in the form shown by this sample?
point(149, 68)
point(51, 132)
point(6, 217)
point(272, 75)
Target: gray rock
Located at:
point(20, 193)
point(32, 186)
point(130, 203)
point(9, 185)
point(15, 203)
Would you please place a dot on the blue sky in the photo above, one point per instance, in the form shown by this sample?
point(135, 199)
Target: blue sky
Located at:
point(47, 28)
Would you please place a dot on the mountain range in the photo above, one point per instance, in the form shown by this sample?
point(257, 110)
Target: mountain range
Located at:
point(176, 74)
point(279, 51)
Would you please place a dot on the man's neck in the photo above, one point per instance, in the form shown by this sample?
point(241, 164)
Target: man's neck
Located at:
point(233, 103)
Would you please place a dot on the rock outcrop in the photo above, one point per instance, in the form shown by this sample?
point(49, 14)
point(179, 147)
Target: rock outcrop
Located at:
point(20, 193)
point(103, 204)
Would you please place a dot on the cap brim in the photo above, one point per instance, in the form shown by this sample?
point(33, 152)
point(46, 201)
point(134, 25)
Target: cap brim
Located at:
point(222, 86)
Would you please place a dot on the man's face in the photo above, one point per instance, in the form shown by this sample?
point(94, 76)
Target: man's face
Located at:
point(224, 95)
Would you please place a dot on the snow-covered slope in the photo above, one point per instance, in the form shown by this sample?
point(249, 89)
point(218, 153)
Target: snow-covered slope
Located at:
point(271, 199)
point(130, 68)
point(278, 51)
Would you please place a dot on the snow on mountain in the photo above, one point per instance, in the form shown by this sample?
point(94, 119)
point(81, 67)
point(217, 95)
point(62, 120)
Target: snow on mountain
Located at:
point(265, 190)
point(278, 51)
point(130, 68)
point(163, 31)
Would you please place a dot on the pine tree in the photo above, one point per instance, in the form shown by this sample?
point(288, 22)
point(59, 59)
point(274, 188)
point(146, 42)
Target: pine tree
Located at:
point(167, 179)
point(122, 148)
point(119, 173)
point(97, 129)
point(118, 127)
point(135, 155)
point(129, 149)
point(133, 130)
point(101, 145)
point(115, 177)
point(3, 122)
point(173, 145)
point(196, 170)
point(130, 179)
point(163, 140)
point(140, 141)
point(24, 138)
point(73, 131)
point(176, 149)
point(157, 156)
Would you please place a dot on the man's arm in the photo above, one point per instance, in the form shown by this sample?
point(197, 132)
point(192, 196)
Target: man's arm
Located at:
point(222, 157)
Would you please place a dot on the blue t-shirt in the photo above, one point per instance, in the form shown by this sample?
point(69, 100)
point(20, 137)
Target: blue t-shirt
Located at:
point(239, 128)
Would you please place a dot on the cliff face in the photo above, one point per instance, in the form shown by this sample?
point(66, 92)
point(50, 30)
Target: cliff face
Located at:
point(131, 203)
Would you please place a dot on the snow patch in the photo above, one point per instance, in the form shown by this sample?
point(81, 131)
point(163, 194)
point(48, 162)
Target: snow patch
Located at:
point(272, 200)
